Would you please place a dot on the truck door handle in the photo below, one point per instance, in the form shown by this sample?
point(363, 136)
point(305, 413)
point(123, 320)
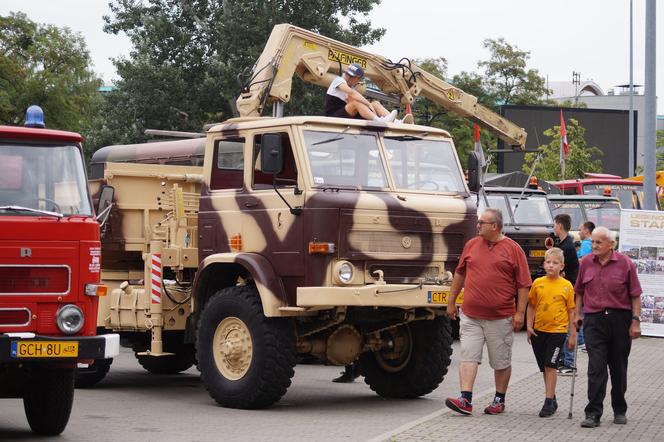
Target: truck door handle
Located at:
point(250, 204)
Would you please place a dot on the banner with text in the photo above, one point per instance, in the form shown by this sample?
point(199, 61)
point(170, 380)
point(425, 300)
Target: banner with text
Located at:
point(642, 239)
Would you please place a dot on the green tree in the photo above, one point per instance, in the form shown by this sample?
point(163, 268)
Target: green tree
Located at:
point(580, 159)
point(660, 149)
point(187, 57)
point(48, 66)
point(506, 77)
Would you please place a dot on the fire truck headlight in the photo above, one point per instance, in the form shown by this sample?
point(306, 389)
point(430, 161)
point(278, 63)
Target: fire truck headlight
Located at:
point(69, 319)
point(343, 272)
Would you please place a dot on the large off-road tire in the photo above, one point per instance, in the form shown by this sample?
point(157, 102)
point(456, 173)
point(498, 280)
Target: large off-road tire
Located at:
point(48, 400)
point(415, 365)
point(246, 360)
point(184, 357)
point(88, 377)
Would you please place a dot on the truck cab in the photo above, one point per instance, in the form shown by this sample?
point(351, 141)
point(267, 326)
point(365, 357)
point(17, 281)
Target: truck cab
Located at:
point(49, 272)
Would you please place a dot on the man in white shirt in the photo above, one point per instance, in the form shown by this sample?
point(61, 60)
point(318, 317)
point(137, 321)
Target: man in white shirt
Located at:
point(343, 101)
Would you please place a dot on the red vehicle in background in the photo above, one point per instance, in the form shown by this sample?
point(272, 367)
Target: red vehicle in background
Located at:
point(629, 192)
point(49, 271)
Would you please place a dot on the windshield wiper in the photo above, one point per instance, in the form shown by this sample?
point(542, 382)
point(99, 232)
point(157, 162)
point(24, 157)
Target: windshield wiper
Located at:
point(335, 138)
point(404, 138)
point(31, 210)
point(337, 187)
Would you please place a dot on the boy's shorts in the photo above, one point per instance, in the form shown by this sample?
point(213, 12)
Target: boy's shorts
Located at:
point(547, 348)
point(497, 334)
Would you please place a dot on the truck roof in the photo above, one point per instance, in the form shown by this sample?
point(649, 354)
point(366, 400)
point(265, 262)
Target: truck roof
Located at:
point(33, 133)
point(261, 122)
point(582, 198)
point(516, 190)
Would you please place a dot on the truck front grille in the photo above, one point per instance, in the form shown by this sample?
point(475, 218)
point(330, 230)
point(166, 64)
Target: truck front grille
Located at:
point(362, 242)
point(34, 279)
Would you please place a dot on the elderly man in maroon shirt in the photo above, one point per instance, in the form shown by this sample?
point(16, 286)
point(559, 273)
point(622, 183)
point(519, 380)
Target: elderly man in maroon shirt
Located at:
point(609, 290)
point(492, 268)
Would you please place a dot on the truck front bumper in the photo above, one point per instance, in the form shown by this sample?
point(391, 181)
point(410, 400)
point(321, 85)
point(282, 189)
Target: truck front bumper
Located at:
point(374, 295)
point(25, 347)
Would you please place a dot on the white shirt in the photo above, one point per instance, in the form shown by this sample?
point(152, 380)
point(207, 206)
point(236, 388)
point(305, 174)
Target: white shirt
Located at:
point(335, 91)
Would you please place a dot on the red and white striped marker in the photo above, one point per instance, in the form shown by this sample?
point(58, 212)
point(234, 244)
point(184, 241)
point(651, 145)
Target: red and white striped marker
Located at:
point(155, 280)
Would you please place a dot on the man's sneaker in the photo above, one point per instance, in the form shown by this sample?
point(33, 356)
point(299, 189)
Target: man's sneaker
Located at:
point(619, 419)
point(548, 409)
point(460, 405)
point(590, 422)
point(566, 371)
point(495, 407)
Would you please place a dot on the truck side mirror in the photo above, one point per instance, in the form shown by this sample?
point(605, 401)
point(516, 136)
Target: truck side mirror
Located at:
point(474, 171)
point(272, 154)
point(105, 203)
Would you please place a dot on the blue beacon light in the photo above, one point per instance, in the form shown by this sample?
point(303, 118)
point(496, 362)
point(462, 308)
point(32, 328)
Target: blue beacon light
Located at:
point(34, 117)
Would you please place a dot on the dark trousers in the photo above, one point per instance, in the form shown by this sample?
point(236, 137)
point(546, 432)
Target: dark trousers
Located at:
point(608, 344)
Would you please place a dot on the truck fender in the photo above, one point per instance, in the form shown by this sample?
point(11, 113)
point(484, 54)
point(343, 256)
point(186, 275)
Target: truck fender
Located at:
point(269, 285)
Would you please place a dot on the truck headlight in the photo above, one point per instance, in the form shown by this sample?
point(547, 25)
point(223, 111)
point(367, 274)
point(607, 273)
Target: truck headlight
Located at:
point(69, 319)
point(343, 272)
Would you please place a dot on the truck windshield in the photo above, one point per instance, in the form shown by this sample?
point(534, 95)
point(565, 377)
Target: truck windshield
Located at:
point(423, 164)
point(532, 210)
point(46, 178)
point(345, 160)
point(573, 209)
point(604, 214)
point(630, 195)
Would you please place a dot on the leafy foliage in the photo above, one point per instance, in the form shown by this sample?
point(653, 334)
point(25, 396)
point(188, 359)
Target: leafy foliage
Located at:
point(187, 56)
point(504, 79)
point(48, 66)
point(580, 159)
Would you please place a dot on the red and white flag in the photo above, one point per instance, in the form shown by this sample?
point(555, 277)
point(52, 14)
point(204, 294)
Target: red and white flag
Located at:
point(478, 146)
point(564, 145)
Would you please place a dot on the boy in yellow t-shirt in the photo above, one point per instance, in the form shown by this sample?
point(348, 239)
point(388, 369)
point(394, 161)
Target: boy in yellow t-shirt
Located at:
point(550, 310)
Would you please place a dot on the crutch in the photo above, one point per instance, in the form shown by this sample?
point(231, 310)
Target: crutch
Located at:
point(571, 395)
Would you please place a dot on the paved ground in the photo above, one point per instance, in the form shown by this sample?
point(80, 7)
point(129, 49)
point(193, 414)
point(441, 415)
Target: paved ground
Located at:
point(645, 398)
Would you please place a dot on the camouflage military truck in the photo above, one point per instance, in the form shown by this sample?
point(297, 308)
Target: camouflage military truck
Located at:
point(298, 236)
point(306, 235)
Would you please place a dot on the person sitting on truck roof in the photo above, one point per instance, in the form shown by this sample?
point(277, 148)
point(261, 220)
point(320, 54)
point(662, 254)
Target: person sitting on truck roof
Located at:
point(343, 101)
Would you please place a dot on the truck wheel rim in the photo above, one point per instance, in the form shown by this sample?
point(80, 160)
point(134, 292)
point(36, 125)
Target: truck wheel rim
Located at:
point(395, 359)
point(232, 348)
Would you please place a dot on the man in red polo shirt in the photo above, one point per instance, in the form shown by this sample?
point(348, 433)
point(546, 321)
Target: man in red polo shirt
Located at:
point(609, 290)
point(492, 268)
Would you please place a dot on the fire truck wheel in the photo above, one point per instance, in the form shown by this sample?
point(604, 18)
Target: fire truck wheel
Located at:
point(48, 399)
point(246, 360)
point(88, 377)
point(416, 362)
point(172, 364)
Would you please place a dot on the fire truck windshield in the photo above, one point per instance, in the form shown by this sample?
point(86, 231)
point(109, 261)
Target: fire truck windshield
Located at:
point(43, 178)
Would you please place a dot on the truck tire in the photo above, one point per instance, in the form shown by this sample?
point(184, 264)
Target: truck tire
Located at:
point(88, 377)
point(48, 400)
point(415, 365)
point(183, 358)
point(246, 360)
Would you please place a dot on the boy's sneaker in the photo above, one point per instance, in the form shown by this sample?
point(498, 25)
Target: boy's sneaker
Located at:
point(390, 117)
point(496, 407)
point(460, 405)
point(548, 409)
point(566, 371)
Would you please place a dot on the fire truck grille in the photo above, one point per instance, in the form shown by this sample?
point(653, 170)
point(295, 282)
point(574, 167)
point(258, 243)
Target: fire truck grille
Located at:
point(34, 280)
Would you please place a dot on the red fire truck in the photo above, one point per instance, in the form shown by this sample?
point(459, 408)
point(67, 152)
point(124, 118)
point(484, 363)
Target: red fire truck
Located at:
point(629, 192)
point(49, 271)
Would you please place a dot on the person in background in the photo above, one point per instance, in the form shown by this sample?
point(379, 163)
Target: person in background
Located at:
point(491, 269)
point(585, 230)
point(562, 223)
point(609, 290)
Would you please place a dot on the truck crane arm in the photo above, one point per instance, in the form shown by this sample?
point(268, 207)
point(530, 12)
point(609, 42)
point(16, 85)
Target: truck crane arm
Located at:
point(317, 59)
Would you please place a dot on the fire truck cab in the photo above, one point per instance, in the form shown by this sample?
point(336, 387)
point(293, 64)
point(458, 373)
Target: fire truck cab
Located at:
point(49, 271)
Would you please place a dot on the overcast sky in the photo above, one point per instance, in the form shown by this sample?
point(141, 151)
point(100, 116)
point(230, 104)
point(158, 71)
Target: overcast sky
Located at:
point(586, 36)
